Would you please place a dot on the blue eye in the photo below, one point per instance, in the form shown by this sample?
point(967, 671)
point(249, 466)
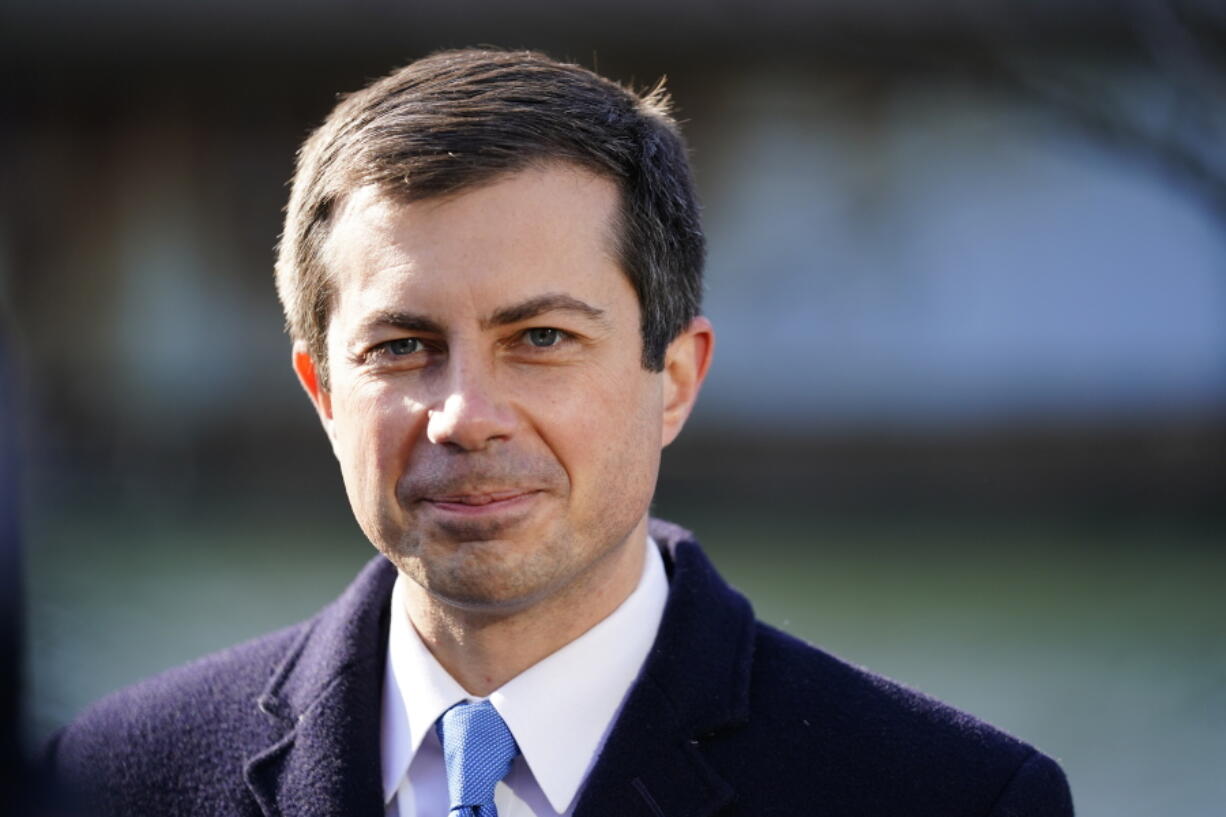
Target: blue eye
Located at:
point(543, 337)
point(403, 346)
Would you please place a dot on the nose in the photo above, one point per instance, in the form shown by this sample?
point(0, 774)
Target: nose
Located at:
point(471, 415)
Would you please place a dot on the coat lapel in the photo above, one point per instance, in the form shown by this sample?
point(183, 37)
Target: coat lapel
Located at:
point(694, 685)
point(324, 703)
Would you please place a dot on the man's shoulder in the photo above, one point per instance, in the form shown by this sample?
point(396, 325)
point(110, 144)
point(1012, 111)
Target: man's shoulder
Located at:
point(229, 678)
point(864, 729)
point(787, 724)
point(789, 670)
point(187, 735)
point(183, 729)
point(339, 635)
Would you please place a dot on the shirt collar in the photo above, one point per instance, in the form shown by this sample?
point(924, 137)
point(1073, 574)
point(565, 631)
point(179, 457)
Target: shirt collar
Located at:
point(416, 692)
point(560, 709)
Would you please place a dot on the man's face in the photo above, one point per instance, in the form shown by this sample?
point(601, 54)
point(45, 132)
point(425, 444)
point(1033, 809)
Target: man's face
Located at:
point(496, 430)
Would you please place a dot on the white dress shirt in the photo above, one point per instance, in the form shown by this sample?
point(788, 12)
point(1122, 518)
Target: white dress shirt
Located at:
point(560, 710)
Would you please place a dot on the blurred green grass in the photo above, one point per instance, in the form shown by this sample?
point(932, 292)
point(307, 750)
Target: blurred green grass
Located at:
point(1103, 643)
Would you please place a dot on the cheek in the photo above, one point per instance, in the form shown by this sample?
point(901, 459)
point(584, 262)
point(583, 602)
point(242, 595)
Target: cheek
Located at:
point(375, 427)
point(604, 429)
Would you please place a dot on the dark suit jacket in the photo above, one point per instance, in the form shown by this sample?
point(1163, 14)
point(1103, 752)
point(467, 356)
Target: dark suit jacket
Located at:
point(727, 717)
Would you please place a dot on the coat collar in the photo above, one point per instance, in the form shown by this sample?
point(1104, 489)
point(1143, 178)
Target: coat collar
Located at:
point(324, 699)
point(694, 685)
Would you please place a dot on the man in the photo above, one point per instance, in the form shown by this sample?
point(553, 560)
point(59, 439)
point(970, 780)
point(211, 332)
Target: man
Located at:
point(491, 270)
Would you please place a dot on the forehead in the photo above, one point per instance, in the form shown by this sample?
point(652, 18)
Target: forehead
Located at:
point(550, 227)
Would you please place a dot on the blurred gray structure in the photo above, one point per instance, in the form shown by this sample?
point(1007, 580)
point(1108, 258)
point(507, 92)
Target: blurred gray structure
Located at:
point(924, 221)
point(967, 269)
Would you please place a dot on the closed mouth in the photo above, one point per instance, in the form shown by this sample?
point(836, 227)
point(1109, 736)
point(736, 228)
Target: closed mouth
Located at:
point(477, 500)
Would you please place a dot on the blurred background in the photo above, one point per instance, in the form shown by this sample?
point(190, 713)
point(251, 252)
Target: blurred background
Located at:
point(967, 420)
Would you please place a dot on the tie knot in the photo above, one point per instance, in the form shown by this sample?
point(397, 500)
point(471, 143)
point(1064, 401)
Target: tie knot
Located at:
point(478, 749)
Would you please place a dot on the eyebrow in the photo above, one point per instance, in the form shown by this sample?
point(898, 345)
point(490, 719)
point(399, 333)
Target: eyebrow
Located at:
point(531, 308)
point(515, 313)
point(408, 321)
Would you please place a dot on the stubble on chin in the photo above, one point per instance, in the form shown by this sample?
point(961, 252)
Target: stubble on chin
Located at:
point(503, 576)
point(481, 571)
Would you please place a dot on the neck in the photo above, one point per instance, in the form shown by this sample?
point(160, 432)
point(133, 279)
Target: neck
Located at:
point(483, 650)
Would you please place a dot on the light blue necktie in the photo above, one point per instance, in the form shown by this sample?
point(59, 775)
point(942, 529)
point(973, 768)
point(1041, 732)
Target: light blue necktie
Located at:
point(478, 749)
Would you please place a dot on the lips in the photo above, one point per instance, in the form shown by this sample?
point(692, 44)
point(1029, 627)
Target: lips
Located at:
point(477, 499)
point(484, 505)
point(475, 484)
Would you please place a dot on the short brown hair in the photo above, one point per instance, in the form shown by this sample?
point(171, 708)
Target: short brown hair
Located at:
point(457, 119)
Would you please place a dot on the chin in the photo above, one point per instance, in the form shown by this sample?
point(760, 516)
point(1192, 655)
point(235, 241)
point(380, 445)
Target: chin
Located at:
point(491, 574)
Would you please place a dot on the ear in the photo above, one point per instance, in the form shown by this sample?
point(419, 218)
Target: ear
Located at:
point(308, 375)
point(685, 366)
